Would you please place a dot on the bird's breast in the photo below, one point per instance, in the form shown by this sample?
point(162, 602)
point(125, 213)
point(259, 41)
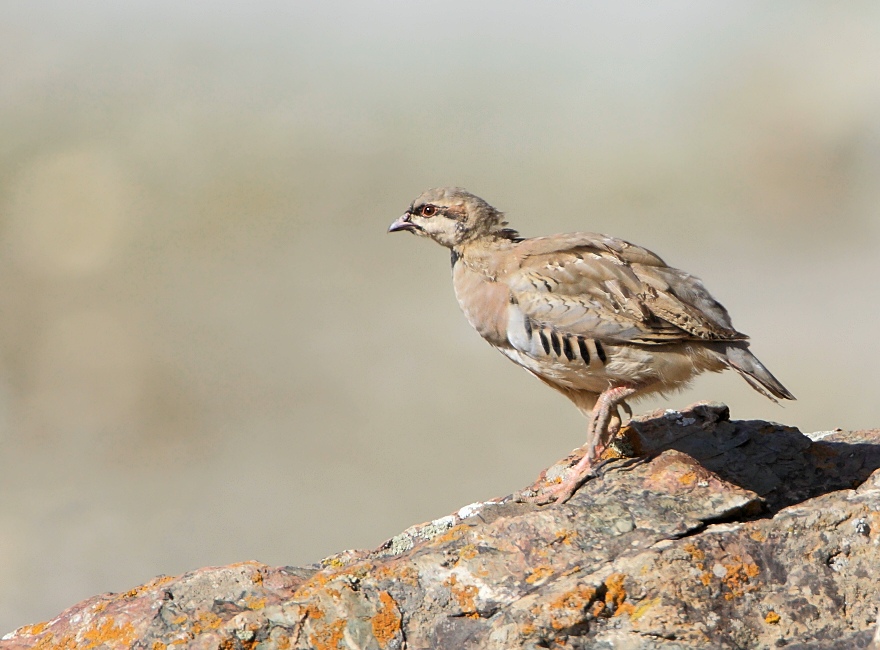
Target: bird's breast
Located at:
point(484, 302)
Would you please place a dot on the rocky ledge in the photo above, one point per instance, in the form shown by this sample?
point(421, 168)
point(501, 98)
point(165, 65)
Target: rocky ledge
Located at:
point(719, 534)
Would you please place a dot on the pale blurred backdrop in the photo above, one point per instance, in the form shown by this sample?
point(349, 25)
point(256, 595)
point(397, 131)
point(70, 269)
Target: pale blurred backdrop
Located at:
point(211, 350)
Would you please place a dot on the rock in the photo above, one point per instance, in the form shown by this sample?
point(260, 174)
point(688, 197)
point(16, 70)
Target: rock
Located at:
point(721, 534)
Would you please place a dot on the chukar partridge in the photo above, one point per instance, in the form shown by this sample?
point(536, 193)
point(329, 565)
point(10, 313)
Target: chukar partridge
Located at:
point(597, 318)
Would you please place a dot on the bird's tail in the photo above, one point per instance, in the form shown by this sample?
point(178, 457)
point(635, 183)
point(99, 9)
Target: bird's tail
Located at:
point(753, 371)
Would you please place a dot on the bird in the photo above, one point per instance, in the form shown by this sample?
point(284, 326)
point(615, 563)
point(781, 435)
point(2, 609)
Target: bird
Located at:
point(599, 319)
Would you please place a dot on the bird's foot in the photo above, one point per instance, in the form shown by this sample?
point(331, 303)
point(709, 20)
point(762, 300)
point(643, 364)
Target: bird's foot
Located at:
point(563, 491)
point(605, 420)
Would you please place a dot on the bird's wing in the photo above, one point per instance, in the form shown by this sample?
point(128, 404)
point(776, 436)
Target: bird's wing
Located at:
point(604, 288)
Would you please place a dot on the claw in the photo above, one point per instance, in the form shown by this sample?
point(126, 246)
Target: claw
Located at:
point(562, 492)
point(559, 493)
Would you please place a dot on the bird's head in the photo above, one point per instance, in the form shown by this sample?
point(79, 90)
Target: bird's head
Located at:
point(451, 217)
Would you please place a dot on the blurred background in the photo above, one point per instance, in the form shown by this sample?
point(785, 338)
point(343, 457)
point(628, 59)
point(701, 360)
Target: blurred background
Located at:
point(211, 351)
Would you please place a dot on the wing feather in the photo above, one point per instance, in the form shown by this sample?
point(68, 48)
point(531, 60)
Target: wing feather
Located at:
point(604, 288)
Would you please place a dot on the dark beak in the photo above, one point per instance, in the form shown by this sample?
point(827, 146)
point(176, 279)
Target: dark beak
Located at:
point(402, 223)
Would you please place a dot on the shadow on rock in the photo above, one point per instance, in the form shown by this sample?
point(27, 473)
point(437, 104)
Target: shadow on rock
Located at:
point(779, 463)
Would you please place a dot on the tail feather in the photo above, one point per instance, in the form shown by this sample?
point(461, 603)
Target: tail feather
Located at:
point(753, 371)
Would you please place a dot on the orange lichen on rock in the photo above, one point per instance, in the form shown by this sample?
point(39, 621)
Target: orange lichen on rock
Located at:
point(615, 595)
point(328, 637)
point(147, 586)
point(386, 623)
point(32, 630)
point(252, 602)
point(318, 581)
point(467, 552)
point(207, 620)
point(539, 573)
point(575, 569)
point(670, 473)
point(570, 607)
point(452, 534)
point(738, 576)
point(576, 599)
point(108, 633)
point(772, 618)
point(630, 437)
point(695, 553)
point(48, 642)
point(564, 537)
point(397, 573)
point(465, 595)
point(688, 479)
point(247, 564)
point(697, 556)
point(758, 535)
point(611, 452)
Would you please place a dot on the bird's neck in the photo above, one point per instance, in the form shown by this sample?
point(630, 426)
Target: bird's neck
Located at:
point(486, 244)
point(482, 254)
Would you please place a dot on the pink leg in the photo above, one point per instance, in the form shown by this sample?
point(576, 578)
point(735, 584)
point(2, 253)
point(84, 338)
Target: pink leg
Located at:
point(599, 434)
point(606, 407)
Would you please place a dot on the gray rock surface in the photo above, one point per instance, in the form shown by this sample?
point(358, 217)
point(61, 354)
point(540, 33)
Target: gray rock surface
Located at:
point(721, 534)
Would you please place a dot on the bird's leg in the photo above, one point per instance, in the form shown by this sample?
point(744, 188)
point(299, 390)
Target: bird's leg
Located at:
point(599, 433)
point(600, 430)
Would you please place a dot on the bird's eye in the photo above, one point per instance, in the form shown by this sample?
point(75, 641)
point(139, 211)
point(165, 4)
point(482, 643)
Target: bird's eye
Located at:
point(429, 211)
